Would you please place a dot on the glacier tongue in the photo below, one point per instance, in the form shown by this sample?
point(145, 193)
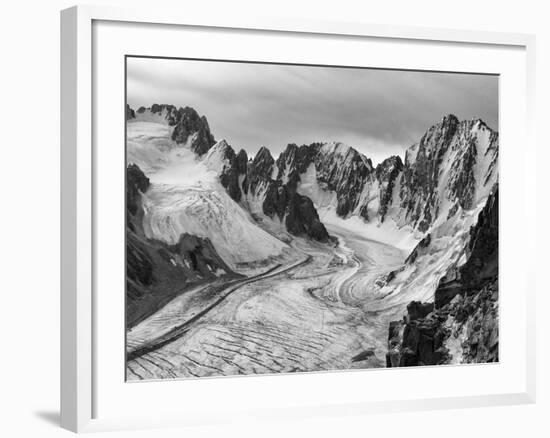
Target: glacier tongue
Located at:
point(186, 197)
point(205, 210)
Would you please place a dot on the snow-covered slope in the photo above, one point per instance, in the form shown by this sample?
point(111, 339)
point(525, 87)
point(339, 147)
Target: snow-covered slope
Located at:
point(186, 196)
point(205, 210)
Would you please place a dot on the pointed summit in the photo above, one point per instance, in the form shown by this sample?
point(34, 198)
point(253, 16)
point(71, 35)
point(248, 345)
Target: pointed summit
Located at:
point(189, 125)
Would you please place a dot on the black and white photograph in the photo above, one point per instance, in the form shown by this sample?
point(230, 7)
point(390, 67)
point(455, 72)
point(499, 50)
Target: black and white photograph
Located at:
point(287, 218)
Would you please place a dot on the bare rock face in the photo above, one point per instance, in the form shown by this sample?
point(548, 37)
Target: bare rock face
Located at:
point(230, 173)
point(187, 123)
point(136, 183)
point(302, 219)
point(296, 159)
point(198, 253)
point(421, 172)
point(259, 171)
point(419, 249)
point(170, 112)
point(276, 200)
point(189, 127)
point(130, 113)
point(345, 171)
point(139, 264)
point(465, 309)
point(482, 262)
point(241, 162)
point(387, 173)
point(451, 150)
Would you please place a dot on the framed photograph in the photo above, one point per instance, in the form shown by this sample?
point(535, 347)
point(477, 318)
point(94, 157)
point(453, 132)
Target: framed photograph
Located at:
point(276, 219)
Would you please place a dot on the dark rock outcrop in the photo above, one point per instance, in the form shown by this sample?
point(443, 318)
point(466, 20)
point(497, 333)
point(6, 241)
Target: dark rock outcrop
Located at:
point(364, 355)
point(421, 172)
point(198, 253)
point(136, 183)
point(296, 159)
point(229, 174)
point(259, 171)
point(241, 162)
point(189, 127)
point(189, 123)
point(276, 200)
point(419, 249)
point(130, 113)
point(302, 219)
point(170, 111)
point(387, 173)
point(417, 310)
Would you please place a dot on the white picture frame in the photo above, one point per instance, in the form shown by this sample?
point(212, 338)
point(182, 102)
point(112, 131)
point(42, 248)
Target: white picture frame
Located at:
point(81, 374)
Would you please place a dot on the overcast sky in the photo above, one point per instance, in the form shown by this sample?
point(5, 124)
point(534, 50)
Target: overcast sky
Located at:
point(378, 112)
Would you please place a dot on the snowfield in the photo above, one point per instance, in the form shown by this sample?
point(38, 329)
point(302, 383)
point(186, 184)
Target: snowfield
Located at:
point(205, 210)
point(186, 197)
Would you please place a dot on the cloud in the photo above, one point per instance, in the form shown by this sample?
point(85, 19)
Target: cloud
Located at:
point(379, 112)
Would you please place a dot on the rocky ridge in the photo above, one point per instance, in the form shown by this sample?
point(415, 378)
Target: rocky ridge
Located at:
point(188, 126)
point(452, 168)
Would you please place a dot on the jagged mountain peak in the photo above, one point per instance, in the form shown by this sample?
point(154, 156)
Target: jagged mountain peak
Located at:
point(130, 113)
point(348, 152)
point(219, 156)
point(189, 127)
point(263, 161)
point(222, 145)
point(449, 119)
point(454, 159)
point(389, 163)
point(452, 123)
point(478, 123)
point(263, 154)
